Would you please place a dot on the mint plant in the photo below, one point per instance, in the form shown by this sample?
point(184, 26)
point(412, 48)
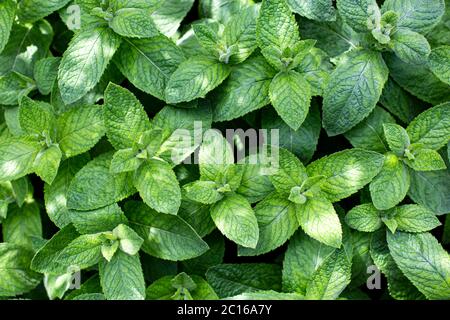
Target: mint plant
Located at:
point(224, 149)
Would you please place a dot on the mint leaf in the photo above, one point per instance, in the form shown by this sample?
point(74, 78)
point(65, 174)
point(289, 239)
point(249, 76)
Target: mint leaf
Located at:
point(410, 46)
point(414, 218)
point(321, 10)
point(33, 10)
point(353, 91)
point(36, 117)
point(16, 158)
point(397, 138)
point(426, 160)
point(359, 14)
point(13, 87)
point(169, 16)
point(7, 14)
point(45, 73)
point(365, 218)
point(439, 62)
point(47, 162)
point(85, 60)
point(99, 220)
point(82, 252)
point(423, 261)
point(133, 23)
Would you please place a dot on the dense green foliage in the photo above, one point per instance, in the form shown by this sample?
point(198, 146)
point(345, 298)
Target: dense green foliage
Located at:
point(110, 174)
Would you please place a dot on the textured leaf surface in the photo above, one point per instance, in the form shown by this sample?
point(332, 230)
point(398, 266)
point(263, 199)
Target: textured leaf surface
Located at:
point(7, 13)
point(320, 10)
point(440, 62)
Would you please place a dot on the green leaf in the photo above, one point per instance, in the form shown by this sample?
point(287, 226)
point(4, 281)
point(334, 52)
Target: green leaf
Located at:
point(45, 73)
point(234, 217)
point(359, 14)
point(398, 285)
point(79, 129)
point(55, 195)
point(354, 88)
point(410, 46)
point(331, 277)
point(364, 217)
point(346, 172)
point(17, 278)
point(158, 186)
point(316, 68)
point(232, 279)
point(16, 158)
point(149, 63)
point(415, 218)
point(21, 224)
point(36, 117)
point(431, 190)
point(13, 86)
point(85, 60)
point(96, 176)
point(169, 16)
point(320, 10)
point(197, 216)
point(397, 138)
point(390, 186)
point(417, 80)
point(7, 14)
point(426, 160)
point(46, 258)
point(276, 25)
point(133, 23)
point(277, 222)
point(432, 127)
point(319, 220)
point(83, 252)
point(423, 261)
point(303, 257)
point(47, 163)
point(369, 133)
point(246, 90)
point(122, 277)
point(439, 63)
point(194, 78)
point(289, 174)
point(125, 160)
point(125, 117)
point(99, 220)
point(165, 236)
point(202, 191)
point(33, 10)
point(291, 96)
point(129, 241)
point(418, 15)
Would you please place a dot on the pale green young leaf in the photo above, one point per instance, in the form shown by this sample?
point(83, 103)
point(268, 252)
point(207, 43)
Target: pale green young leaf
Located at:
point(17, 278)
point(16, 158)
point(246, 90)
point(289, 174)
point(290, 95)
point(346, 172)
point(277, 222)
point(319, 220)
point(276, 25)
point(397, 138)
point(21, 224)
point(207, 34)
point(354, 88)
point(439, 63)
point(202, 191)
point(129, 241)
point(122, 277)
point(368, 134)
point(7, 14)
point(158, 186)
point(45, 73)
point(432, 127)
point(415, 218)
point(165, 236)
point(125, 160)
point(235, 218)
point(364, 218)
point(410, 46)
point(149, 63)
point(47, 162)
point(359, 14)
point(133, 23)
point(423, 261)
point(194, 78)
point(125, 117)
point(55, 195)
point(96, 176)
point(36, 117)
point(331, 278)
point(319, 10)
point(85, 60)
point(98, 220)
point(391, 185)
point(417, 15)
point(229, 280)
point(79, 129)
point(56, 285)
point(82, 252)
point(426, 160)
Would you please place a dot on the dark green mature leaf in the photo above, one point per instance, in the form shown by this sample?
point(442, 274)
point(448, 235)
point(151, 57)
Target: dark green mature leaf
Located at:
point(353, 91)
point(358, 13)
point(7, 14)
point(439, 63)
